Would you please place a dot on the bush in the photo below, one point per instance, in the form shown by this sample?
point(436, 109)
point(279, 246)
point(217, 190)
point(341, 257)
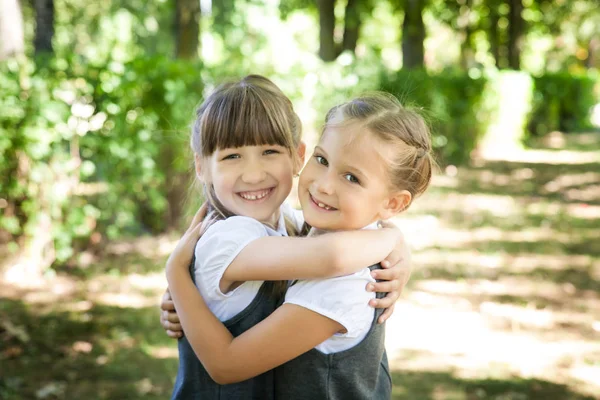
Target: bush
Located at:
point(451, 100)
point(94, 148)
point(563, 102)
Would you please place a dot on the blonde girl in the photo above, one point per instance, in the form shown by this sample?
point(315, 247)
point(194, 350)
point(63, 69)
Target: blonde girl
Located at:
point(373, 159)
point(246, 141)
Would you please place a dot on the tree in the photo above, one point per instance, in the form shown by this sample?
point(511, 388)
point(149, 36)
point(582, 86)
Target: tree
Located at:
point(352, 22)
point(187, 28)
point(516, 28)
point(327, 48)
point(11, 29)
point(413, 34)
point(44, 29)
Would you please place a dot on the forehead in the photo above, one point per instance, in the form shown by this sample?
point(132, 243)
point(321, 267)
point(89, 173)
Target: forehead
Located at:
point(354, 145)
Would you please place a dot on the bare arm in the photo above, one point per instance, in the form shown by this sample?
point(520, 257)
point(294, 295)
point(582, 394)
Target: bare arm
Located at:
point(288, 332)
point(324, 256)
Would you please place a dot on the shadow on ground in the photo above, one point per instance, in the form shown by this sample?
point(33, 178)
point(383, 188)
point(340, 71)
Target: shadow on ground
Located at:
point(102, 353)
point(446, 386)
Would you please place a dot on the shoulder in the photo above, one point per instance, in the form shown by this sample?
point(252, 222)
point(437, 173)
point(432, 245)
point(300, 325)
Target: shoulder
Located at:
point(235, 223)
point(226, 236)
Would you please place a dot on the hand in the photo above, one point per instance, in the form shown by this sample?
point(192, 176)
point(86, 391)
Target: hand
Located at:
point(182, 255)
point(180, 258)
point(394, 276)
point(169, 318)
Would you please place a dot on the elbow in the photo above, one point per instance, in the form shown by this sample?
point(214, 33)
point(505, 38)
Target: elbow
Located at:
point(223, 376)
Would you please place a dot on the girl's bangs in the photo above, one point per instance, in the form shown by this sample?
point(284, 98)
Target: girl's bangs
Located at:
point(246, 120)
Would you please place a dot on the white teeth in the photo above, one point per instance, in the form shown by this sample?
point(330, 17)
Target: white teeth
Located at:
point(257, 196)
point(324, 206)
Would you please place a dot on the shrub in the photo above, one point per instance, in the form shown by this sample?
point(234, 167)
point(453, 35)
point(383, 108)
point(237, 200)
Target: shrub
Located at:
point(94, 148)
point(451, 100)
point(562, 101)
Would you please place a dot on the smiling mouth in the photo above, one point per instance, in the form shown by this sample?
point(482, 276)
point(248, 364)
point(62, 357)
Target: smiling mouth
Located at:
point(320, 204)
point(255, 195)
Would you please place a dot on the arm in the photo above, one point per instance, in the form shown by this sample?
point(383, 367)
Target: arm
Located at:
point(324, 256)
point(288, 332)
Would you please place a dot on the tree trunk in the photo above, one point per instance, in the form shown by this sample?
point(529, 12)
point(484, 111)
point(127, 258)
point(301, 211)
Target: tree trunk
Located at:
point(351, 25)
point(413, 34)
point(187, 28)
point(467, 55)
point(11, 29)
point(493, 34)
point(327, 50)
point(516, 26)
point(44, 30)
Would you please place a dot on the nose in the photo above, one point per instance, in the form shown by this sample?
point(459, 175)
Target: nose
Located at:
point(325, 184)
point(253, 172)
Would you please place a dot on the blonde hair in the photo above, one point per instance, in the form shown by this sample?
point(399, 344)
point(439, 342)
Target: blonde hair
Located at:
point(384, 116)
point(250, 112)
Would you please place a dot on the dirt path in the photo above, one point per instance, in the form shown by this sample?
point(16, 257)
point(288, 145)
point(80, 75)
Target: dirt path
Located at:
point(507, 280)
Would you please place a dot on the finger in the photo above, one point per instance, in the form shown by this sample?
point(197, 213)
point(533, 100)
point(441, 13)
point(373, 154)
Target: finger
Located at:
point(389, 274)
point(170, 326)
point(386, 314)
point(174, 335)
point(199, 216)
point(393, 259)
point(172, 317)
point(384, 302)
point(175, 326)
point(167, 305)
point(383, 287)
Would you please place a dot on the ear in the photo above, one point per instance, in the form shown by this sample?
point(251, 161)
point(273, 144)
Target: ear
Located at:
point(395, 204)
point(301, 153)
point(198, 167)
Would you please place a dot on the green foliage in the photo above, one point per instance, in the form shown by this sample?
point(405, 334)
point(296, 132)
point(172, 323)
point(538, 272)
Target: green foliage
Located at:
point(451, 100)
point(94, 148)
point(562, 102)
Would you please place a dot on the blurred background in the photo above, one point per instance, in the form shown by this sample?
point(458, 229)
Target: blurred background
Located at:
point(96, 100)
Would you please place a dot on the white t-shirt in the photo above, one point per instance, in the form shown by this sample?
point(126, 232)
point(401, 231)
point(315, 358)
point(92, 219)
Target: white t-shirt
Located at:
point(343, 299)
point(219, 246)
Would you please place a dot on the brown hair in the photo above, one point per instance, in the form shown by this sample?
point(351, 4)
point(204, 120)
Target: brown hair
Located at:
point(250, 112)
point(383, 115)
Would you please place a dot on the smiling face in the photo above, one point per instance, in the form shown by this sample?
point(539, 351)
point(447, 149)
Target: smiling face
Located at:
point(345, 184)
point(251, 181)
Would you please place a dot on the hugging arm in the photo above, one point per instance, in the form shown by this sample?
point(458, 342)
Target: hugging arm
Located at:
point(290, 331)
point(324, 256)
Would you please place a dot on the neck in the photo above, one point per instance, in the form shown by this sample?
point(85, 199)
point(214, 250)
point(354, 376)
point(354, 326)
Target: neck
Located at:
point(273, 221)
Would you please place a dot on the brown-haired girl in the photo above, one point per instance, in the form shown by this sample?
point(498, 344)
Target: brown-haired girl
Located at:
point(373, 159)
point(246, 141)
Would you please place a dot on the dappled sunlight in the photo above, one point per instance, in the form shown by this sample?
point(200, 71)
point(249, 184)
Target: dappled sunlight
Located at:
point(148, 246)
point(470, 344)
point(123, 300)
point(162, 352)
point(506, 278)
point(564, 181)
point(552, 157)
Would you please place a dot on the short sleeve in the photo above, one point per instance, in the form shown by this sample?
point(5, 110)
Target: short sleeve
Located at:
point(343, 299)
point(218, 247)
point(294, 215)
